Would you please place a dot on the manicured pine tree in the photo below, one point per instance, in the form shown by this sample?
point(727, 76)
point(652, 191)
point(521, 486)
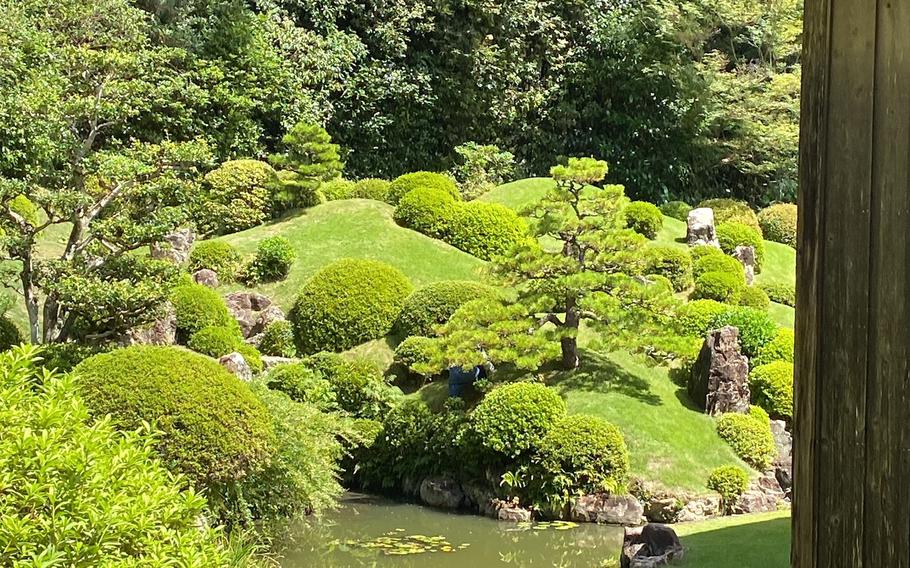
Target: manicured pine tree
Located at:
point(312, 158)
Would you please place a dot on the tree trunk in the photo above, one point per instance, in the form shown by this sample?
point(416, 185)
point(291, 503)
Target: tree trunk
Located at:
point(569, 344)
point(28, 293)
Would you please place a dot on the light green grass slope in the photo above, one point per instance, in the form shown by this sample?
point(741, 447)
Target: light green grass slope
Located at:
point(356, 228)
point(762, 541)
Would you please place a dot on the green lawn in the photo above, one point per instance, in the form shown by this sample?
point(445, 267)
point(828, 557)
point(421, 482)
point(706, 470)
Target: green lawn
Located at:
point(743, 541)
point(518, 194)
point(357, 228)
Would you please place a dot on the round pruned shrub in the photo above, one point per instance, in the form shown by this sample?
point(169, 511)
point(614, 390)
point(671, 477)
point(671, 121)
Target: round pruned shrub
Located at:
point(348, 302)
point(278, 340)
point(336, 189)
point(196, 307)
point(359, 386)
point(416, 354)
point(750, 437)
point(216, 341)
point(696, 318)
point(403, 184)
point(218, 256)
point(10, 335)
point(730, 482)
point(719, 262)
point(699, 252)
point(273, 260)
point(582, 454)
point(778, 223)
point(237, 195)
point(672, 263)
point(772, 388)
point(429, 210)
point(781, 293)
point(732, 211)
point(214, 430)
point(756, 328)
point(644, 218)
point(514, 418)
point(431, 306)
point(719, 286)
point(371, 188)
point(778, 349)
point(754, 297)
point(678, 210)
point(303, 384)
point(486, 229)
point(732, 235)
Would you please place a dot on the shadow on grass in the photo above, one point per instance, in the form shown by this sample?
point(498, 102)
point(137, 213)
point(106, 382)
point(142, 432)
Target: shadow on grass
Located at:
point(765, 544)
point(600, 374)
point(682, 395)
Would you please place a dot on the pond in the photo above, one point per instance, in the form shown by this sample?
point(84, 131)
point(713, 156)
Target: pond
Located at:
point(373, 531)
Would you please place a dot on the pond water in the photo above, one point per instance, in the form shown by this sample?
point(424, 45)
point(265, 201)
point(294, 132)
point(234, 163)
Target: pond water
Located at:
point(377, 532)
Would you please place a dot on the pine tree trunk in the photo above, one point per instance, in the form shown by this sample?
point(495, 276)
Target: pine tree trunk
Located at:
point(569, 345)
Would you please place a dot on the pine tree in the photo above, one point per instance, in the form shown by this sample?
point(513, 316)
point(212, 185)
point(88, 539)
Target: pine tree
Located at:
point(311, 158)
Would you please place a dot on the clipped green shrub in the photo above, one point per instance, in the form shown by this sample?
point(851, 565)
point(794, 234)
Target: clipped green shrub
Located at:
point(699, 252)
point(218, 256)
point(756, 328)
point(720, 286)
point(429, 210)
point(486, 229)
point(580, 455)
point(403, 184)
point(754, 297)
point(214, 430)
point(64, 356)
point(273, 261)
point(428, 307)
point(278, 340)
point(772, 388)
point(673, 263)
point(732, 211)
point(644, 218)
point(696, 318)
point(730, 482)
point(719, 263)
point(336, 189)
point(661, 280)
point(348, 302)
point(215, 341)
point(778, 349)
point(302, 384)
point(77, 493)
point(778, 223)
point(252, 356)
point(678, 210)
point(237, 195)
point(371, 188)
point(196, 307)
point(514, 418)
point(10, 335)
point(781, 293)
point(750, 437)
point(359, 386)
point(732, 235)
point(415, 354)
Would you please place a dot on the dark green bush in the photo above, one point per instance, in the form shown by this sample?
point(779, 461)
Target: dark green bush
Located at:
point(778, 349)
point(273, 260)
point(719, 263)
point(673, 263)
point(731, 482)
point(750, 437)
point(772, 388)
point(215, 341)
point(433, 305)
point(214, 430)
point(514, 418)
point(732, 211)
point(336, 189)
point(696, 318)
point(754, 297)
point(428, 210)
point(756, 328)
point(371, 188)
point(303, 384)
point(237, 195)
point(216, 255)
point(348, 302)
point(278, 340)
point(678, 210)
point(644, 218)
point(486, 229)
point(403, 184)
point(720, 286)
point(9, 334)
point(778, 223)
point(415, 355)
point(781, 293)
point(732, 235)
point(196, 307)
point(359, 386)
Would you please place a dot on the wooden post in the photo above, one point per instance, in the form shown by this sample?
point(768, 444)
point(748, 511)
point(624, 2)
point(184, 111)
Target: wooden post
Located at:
point(852, 424)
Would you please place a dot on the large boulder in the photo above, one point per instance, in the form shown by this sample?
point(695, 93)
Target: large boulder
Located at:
point(607, 509)
point(236, 364)
point(783, 463)
point(442, 492)
point(206, 277)
point(719, 379)
point(176, 246)
point(650, 546)
point(700, 228)
point(253, 312)
point(162, 331)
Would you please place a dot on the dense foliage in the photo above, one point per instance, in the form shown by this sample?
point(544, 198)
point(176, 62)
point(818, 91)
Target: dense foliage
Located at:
point(781, 293)
point(732, 235)
point(358, 384)
point(278, 340)
point(432, 305)
point(273, 260)
point(513, 418)
point(429, 210)
point(756, 328)
point(778, 223)
point(719, 286)
point(753, 297)
point(732, 211)
point(644, 218)
point(772, 388)
point(405, 183)
point(237, 195)
point(778, 349)
point(310, 159)
point(696, 318)
point(671, 262)
point(303, 384)
point(750, 436)
point(196, 307)
point(730, 482)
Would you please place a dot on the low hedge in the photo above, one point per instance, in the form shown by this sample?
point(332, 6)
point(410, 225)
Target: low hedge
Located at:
point(196, 307)
point(303, 384)
point(513, 419)
point(336, 189)
point(672, 263)
point(754, 297)
point(719, 263)
point(696, 318)
point(730, 482)
point(431, 306)
point(359, 386)
point(750, 437)
point(278, 340)
point(238, 196)
point(719, 286)
point(429, 210)
point(772, 388)
point(781, 293)
point(403, 184)
point(778, 349)
point(644, 218)
point(371, 188)
point(215, 341)
point(778, 223)
point(273, 260)
point(486, 230)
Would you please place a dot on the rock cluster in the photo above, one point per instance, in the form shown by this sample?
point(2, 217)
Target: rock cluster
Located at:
point(253, 312)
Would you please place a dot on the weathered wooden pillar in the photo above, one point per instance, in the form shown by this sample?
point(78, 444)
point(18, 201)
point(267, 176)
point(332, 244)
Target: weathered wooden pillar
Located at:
point(852, 472)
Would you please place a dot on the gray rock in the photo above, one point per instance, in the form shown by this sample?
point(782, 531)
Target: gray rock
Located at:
point(270, 361)
point(746, 256)
point(162, 331)
point(441, 492)
point(699, 509)
point(246, 307)
point(756, 501)
point(650, 546)
point(608, 509)
point(663, 509)
point(511, 512)
point(719, 379)
point(266, 316)
point(236, 364)
point(206, 277)
point(783, 463)
point(176, 246)
point(700, 228)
